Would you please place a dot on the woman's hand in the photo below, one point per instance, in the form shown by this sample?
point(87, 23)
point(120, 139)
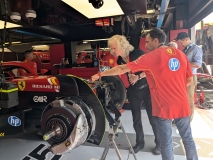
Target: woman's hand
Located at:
point(95, 77)
point(133, 78)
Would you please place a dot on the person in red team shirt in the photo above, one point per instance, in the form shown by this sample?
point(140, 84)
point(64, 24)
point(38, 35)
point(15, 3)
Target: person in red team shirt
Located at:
point(168, 73)
point(29, 61)
point(87, 59)
point(80, 58)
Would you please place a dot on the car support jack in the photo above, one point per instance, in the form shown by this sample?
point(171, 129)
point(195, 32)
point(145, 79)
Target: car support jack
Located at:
point(111, 141)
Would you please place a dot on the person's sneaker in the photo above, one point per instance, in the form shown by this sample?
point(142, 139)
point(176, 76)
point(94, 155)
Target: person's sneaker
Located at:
point(137, 148)
point(157, 150)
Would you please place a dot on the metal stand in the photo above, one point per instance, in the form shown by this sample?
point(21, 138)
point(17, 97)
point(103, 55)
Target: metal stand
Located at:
point(104, 94)
point(111, 141)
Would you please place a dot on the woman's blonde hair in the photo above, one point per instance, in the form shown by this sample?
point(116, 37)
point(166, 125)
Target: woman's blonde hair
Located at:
point(122, 44)
point(173, 44)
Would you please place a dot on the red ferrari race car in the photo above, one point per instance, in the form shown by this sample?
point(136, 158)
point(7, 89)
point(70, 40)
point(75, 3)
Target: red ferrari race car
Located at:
point(64, 108)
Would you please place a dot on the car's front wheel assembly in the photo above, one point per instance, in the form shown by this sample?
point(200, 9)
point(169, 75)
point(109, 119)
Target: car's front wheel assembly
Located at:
point(66, 124)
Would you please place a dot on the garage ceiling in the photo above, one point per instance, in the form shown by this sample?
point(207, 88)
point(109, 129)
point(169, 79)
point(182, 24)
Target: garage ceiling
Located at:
point(58, 22)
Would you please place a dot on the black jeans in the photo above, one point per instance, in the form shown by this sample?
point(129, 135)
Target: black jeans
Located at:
point(135, 97)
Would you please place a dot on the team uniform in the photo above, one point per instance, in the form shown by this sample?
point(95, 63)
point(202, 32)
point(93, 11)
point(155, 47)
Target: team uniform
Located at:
point(167, 70)
point(31, 64)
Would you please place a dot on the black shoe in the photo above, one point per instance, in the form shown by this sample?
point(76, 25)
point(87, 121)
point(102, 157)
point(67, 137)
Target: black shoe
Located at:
point(157, 150)
point(137, 148)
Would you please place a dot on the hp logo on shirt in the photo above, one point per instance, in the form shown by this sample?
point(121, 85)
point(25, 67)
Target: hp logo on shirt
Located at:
point(14, 121)
point(174, 64)
point(104, 68)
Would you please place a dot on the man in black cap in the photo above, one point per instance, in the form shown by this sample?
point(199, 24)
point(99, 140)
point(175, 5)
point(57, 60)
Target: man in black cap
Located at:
point(194, 54)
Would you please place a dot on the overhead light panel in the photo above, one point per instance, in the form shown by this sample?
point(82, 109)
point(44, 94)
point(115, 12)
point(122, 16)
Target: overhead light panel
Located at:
point(150, 11)
point(96, 40)
point(109, 8)
point(9, 25)
point(147, 30)
point(41, 47)
point(5, 50)
point(12, 42)
point(105, 48)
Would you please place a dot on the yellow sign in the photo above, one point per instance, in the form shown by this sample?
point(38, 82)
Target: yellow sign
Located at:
point(1, 134)
point(21, 85)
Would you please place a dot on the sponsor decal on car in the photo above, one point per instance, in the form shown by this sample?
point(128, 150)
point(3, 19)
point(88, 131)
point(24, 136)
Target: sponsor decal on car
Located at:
point(1, 134)
point(40, 98)
point(46, 86)
point(54, 81)
point(42, 86)
point(14, 121)
point(21, 85)
point(67, 143)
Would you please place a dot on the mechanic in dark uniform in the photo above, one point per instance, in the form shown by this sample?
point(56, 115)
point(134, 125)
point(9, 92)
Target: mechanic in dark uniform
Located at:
point(138, 90)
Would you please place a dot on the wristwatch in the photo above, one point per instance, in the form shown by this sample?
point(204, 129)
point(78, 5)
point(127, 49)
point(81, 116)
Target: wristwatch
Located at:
point(139, 77)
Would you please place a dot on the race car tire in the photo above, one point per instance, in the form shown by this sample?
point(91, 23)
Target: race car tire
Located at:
point(118, 93)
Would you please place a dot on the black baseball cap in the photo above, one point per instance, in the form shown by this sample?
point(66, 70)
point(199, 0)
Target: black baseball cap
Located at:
point(181, 35)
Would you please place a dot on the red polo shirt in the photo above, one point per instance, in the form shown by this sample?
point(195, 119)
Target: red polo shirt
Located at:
point(32, 65)
point(166, 71)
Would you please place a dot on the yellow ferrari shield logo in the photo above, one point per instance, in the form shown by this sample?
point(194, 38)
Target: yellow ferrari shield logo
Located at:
point(21, 85)
point(169, 50)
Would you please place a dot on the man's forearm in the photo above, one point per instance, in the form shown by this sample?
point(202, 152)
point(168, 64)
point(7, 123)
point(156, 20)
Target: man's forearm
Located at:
point(194, 65)
point(121, 69)
point(143, 75)
point(189, 81)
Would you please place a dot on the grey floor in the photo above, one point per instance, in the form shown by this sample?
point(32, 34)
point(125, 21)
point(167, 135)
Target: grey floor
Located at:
point(22, 149)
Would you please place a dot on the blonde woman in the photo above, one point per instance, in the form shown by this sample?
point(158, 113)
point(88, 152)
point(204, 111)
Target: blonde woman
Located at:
point(138, 90)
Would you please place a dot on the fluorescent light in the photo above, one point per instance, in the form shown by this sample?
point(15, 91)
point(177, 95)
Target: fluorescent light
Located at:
point(41, 47)
point(93, 40)
point(150, 11)
point(105, 48)
point(9, 25)
point(85, 42)
point(12, 42)
point(145, 30)
point(109, 8)
point(5, 50)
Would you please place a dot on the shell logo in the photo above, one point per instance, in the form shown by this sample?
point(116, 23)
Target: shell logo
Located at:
point(54, 81)
point(111, 61)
